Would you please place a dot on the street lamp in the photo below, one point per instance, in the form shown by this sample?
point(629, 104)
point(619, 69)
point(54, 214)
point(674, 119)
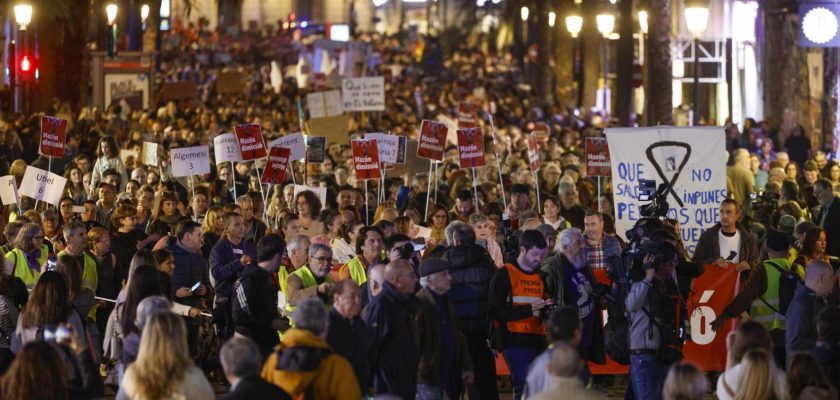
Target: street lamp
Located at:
point(574, 24)
point(111, 12)
point(643, 21)
point(552, 17)
point(23, 15)
point(606, 23)
point(523, 13)
point(144, 14)
point(696, 19)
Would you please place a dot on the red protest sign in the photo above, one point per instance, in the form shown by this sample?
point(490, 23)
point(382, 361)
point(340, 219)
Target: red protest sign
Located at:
point(275, 170)
point(711, 292)
point(53, 133)
point(250, 139)
point(533, 152)
point(467, 115)
point(543, 130)
point(471, 148)
point(432, 140)
point(365, 158)
point(597, 157)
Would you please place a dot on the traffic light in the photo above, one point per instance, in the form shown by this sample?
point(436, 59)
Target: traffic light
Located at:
point(27, 67)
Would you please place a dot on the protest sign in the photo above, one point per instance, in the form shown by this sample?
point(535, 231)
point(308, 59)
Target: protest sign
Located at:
point(471, 148)
point(432, 140)
point(251, 143)
point(363, 94)
point(226, 148)
point(335, 129)
point(316, 149)
point(388, 146)
point(275, 169)
point(8, 190)
point(42, 185)
point(413, 164)
point(365, 159)
point(53, 132)
point(597, 157)
point(711, 293)
point(320, 81)
point(402, 149)
point(533, 152)
point(543, 130)
point(324, 104)
point(321, 192)
point(691, 160)
point(150, 153)
point(467, 115)
point(126, 154)
point(294, 142)
point(189, 161)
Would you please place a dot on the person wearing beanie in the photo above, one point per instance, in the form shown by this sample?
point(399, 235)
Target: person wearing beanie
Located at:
point(445, 364)
point(760, 294)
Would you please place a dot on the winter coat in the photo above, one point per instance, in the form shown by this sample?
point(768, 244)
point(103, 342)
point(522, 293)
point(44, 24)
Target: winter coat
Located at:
point(471, 269)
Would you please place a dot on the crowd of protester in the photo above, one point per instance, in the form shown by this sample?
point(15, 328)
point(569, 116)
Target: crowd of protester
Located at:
point(154, 287)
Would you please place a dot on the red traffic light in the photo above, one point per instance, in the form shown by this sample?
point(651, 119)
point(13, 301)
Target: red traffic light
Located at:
point(25, 64)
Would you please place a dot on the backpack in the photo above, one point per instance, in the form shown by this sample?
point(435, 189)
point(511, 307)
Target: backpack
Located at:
point(617, 329)
point(787, 287)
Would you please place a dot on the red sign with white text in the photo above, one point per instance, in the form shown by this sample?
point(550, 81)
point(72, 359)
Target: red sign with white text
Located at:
point(543, 130)
point(365, 159)
point(533, 152)
point(250, 139)
point(432, 140)
point(53, 134)
point(597, 157)
point(471, 148)
point(275, 169)
point(467, 115)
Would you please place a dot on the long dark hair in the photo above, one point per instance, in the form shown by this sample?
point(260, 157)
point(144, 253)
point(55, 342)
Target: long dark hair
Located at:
point(809, 245)
point(26, 379)
point(144, 283)
point(49, 303)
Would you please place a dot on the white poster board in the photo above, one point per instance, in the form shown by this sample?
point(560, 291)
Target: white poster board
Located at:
point(324, 104)
point(189, 161)
point(295, 143)
point(8, 190)
point(388, 146)
point(42, 185)
point(363, 94)
point(226, 148)
point(692, 159)
point(127, 89)
point(150, 154)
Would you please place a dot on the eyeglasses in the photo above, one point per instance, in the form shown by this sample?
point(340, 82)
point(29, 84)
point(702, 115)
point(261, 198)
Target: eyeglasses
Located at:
point(323, 259)
point(66, 206)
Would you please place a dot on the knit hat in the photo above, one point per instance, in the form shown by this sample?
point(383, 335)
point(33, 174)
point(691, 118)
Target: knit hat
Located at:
point(431, 266)
point(777, 240)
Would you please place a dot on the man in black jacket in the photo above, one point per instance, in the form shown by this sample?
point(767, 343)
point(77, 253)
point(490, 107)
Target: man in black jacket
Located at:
point(254, 298)
point(241, 362)
point(471, 269)
point(229, 257)
point(728, 242)
point(394, 350)
point(828, 215)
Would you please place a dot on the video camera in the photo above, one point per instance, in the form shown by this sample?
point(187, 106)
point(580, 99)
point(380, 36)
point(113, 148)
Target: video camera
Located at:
point(658, 206)
point(764, 204)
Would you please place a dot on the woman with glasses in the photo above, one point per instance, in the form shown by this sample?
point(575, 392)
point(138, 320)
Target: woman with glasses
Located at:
point(30, 254)
point(51, 225)
point(308, 209)
point(438, 220)
point(65, 210)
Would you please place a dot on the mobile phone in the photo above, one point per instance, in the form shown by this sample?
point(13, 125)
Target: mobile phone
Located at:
point(419, 244)
point(195, 287)
point(51, 262)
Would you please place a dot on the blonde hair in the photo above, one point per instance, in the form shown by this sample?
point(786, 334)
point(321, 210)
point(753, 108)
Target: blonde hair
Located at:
point(760, 379)
point(96, 234)
point(684, 382)
point(163, 358)
point(213, 218)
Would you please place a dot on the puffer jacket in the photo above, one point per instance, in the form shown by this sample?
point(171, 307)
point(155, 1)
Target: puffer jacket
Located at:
point(471, 270)
point(189, 268)
point(305, 364)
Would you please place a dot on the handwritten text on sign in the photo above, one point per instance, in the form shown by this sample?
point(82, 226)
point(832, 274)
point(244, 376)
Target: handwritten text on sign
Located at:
point(53, 132)
point(692, 160)
point(226, 148)
point(8, 190)
point(363, 94)
point(189, 161)
point(388, 146)
point(42, 185)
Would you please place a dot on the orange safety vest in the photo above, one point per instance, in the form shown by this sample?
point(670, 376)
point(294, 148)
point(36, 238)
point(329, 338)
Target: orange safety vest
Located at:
point(525, 289)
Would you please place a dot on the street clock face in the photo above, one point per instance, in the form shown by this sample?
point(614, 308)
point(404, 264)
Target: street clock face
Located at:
point(820, 25)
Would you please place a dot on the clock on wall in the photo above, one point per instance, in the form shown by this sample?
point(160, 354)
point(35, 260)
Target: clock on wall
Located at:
point(819, 24)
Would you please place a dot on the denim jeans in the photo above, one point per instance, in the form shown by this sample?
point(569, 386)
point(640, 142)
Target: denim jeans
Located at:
point(518, 359)
point(647, 376)
point(429, 392)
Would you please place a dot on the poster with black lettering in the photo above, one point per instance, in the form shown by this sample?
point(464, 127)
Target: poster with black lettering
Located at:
point(275, 169)
point(226, 148)
point(53, 132)
point(42, 185)
point(189, 161)
point(471, 148)
point(251, 143)
point(365, 159)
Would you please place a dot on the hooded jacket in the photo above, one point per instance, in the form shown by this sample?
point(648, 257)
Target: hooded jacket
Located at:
point(471, 268)
point(189, 268)
point(303, 363)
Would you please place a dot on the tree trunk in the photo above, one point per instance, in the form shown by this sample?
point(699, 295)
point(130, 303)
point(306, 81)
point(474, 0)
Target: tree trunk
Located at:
point(660, 62)
point(592, 53)
point(624, 65)
point(545, 94)
point(563, 54)
point(831, 70)
point(64, 62)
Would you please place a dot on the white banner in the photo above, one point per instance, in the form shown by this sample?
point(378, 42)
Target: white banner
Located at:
point(324, 104)
point(363, 94)
point(692, 160)
point(388, 146)
point(226, 148)
point(189, 161)
point(42, 185)
point(295, 143)
point(8, 190)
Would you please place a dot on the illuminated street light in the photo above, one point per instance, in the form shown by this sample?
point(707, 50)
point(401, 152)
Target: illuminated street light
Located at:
point(643, 21)
point(23, 15)
point(552, 17)
point(606, 23)
point(574, 24)
point(523, 13)
point(111, 12)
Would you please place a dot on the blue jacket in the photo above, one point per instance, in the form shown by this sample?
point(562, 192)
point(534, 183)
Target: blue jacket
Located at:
point(225, 265)
point(800, 320)
point(189, 268)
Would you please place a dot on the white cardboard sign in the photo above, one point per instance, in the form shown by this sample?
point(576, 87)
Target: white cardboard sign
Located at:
point(388, 145)
point(321, 192)
point(150, 154)
point(295, 143)
point(8, 190)
point(226, 148)
point(324, 104)
point(189, 161)
point(363, 94)
point(42, 185)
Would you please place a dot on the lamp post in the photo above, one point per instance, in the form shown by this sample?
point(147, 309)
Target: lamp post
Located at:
point(606, 23)
point(574, 24)
point(524, 12)
point(111, 12)
point(144, 14)
point(23, 17)
point(696, 19)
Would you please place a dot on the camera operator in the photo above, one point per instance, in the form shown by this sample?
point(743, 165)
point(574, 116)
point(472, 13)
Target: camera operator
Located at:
point(728, 242)
point(656, 334)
